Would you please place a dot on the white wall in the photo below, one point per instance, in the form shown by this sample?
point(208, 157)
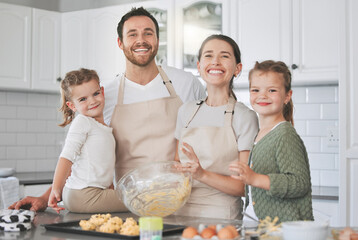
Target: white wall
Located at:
point(30, 139)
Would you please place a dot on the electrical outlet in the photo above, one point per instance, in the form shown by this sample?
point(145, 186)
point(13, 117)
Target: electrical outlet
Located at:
point(332, 137)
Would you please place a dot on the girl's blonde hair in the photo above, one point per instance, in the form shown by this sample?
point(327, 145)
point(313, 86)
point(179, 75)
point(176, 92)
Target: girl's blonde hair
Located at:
point(281, 68)
point(73, 78)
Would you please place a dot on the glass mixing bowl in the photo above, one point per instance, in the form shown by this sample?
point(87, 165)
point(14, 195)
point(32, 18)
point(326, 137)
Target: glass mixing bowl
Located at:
point(155, 189)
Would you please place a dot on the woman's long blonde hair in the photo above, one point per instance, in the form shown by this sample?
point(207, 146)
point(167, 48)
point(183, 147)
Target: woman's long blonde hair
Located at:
point(281, 68)
point(73, 78)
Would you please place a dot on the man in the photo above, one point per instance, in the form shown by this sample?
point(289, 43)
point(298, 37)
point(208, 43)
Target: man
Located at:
point(142, 103)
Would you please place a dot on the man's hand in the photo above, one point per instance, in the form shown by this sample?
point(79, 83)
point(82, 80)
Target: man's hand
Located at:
point(37, 204)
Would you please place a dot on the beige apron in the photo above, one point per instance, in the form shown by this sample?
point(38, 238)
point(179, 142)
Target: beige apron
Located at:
point(216, 148)
point(144, 131)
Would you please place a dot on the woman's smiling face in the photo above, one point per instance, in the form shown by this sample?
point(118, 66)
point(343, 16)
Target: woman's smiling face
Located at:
point(217, 63)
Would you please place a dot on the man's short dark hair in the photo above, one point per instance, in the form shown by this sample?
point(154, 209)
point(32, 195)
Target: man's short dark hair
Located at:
point(136, 12)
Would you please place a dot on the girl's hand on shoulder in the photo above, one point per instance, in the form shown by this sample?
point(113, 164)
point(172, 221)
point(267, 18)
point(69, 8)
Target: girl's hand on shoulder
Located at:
point(245, 173)
point(194, 165)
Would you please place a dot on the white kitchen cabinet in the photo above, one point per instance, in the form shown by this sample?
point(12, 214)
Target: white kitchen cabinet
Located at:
point(74, 41)
point(104, 55)
point(15, 44)
point(196, 20)
point(164, 12)
point(315, 39)
point(302, 33)
point(262, 32)
point(46, 29)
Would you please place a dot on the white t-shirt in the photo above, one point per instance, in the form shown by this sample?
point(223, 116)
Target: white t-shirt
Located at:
point(90, 146)
point(244, 122)
point(186, 85)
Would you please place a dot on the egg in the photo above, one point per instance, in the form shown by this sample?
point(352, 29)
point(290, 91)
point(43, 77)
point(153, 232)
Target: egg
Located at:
point(213, 227)
point(354, 236)
point(225, 233)
point(208, 233)
point(189, 232)
point(233, 230)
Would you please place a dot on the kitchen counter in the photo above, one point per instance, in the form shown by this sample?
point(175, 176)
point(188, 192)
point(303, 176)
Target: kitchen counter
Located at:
point(39, 232)
point(33, 178)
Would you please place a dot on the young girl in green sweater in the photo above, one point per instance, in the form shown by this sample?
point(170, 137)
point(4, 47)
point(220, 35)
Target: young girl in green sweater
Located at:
point(278, 181)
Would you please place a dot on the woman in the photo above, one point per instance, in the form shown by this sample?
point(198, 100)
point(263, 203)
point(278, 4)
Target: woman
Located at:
point(214, 132)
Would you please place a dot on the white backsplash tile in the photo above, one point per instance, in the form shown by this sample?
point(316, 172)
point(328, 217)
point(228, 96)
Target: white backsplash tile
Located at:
point(301, 127)
point(37, 126)
point(54, 100)
point(16, 125)
point(7, 139)
point(329, 178)
point(2, 152)
point(299, 95)
point(41, 139)
point(26, 112)
point(322, 94)
point(330, 111)
point(45, 165)
point(47, 139)
point(37, 99)
point(26, 139)
point(15, 152)
point(319, 127)
point(313, 144)
point(26, 165)
point(8, 164)
point(3, 125)
point(306, 111)
point(322, 161)
point(36, 152)
point(17, 99)
point(315, 177)
point(46, 113)
point(8, 112)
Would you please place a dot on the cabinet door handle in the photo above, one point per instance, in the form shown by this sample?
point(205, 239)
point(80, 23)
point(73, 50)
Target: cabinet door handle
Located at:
point(294, 66)
point(59, 79)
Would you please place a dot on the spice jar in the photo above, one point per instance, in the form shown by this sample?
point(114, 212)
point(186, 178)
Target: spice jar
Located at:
point(150, 228)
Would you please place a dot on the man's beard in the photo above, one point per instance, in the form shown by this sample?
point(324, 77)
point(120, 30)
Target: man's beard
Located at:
point(141, 61)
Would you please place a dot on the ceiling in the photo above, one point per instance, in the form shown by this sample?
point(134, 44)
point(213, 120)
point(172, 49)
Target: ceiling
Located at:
point(68, 5)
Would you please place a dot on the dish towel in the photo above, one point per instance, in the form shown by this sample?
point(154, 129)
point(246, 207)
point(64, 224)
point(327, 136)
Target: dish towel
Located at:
point(9, 191)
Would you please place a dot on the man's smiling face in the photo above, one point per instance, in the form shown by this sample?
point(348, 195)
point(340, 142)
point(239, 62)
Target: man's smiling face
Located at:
point(140, 42)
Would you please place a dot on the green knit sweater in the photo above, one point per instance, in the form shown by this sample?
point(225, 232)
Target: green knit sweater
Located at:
point(282, 156)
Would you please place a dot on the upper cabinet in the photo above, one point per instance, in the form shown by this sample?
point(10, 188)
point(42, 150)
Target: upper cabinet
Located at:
point(315, 39)
point(302, 33)
point(104, 55)
point(41, 46)
point(30, 49)
point(74, 41)
point(164, 13)
point(15, 44)
point(196, 20)
point(46, 40)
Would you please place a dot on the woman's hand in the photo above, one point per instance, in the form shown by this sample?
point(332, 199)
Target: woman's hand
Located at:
point(55, 197)
point(192, 166)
